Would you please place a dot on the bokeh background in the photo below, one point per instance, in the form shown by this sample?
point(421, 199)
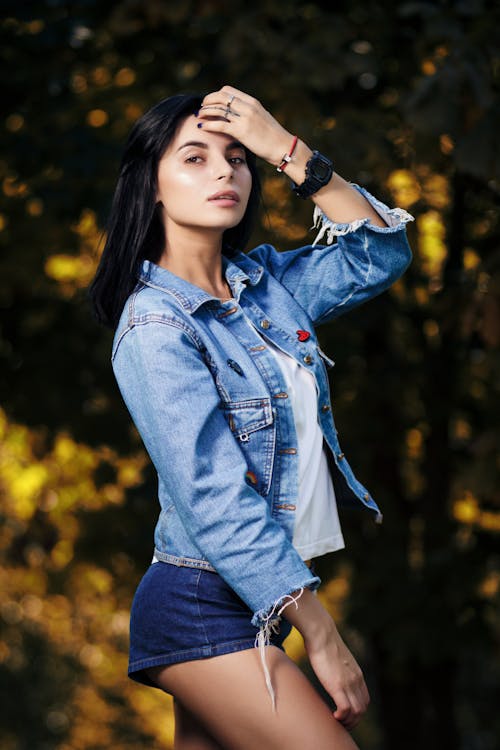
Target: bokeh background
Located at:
point(404, 98)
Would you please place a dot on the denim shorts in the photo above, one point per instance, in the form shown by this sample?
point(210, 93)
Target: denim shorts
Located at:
point(181, 613)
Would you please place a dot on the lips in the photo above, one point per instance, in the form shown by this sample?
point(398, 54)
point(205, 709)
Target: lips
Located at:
point(228, 195)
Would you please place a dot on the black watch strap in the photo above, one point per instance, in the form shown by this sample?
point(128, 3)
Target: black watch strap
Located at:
point(319, 171)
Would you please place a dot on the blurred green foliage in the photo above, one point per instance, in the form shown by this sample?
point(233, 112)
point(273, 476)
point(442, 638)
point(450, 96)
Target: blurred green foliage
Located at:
point(404, 97)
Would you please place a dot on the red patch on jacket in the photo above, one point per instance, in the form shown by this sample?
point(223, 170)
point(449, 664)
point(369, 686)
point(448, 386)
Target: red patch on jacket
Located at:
point(303, 335)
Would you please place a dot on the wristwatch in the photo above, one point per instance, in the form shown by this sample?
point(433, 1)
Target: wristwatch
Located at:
point(319, 172)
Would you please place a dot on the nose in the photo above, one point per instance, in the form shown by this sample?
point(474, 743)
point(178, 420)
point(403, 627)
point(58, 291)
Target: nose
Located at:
point(223, 169)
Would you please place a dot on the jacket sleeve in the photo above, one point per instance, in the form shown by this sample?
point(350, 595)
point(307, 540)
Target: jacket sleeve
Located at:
point(174, 403)
point(328, 280)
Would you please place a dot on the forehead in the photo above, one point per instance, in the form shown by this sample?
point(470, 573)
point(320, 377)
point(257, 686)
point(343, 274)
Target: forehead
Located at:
point(188, 130)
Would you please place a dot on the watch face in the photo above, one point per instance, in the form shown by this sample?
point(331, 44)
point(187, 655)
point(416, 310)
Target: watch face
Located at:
point(320, 169)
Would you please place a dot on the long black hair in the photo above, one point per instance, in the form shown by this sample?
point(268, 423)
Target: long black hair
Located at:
point(134, 230)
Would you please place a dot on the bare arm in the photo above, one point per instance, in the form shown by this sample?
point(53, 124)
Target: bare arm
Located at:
point(259, 131)
point(338, 200)
point(333, 663)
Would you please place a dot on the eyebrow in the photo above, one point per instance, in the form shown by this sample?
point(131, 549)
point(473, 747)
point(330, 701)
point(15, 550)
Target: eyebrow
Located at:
point(200, 144)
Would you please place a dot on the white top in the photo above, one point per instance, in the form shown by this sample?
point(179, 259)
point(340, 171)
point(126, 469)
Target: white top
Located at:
point(317, 526)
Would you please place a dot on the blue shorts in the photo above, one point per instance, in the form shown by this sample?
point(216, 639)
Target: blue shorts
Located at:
point(180, 613)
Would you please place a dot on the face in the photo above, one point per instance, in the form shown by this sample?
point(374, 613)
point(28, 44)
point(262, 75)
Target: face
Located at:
point(203, 180)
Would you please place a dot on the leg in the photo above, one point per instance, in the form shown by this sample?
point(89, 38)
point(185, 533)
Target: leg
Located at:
point(228, 695)
point(189, 733)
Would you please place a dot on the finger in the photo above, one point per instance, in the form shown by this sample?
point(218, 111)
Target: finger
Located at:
point(365, 695)
point(211, 109)
point(227, 89)
point(216, 124)
point(226, 92)
point(358, 695)
point(348, 721)
point(221, 99)
point(357, 705)
point(343, 710)
point(349, 711)
point(212, 124)
point(349, 718)
point(227, 98)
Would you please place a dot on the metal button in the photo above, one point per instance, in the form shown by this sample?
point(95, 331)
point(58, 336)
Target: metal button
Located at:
point(308, 359)
point(340, 455)
point(265, 323)
point(366, 496)
point(325, 407)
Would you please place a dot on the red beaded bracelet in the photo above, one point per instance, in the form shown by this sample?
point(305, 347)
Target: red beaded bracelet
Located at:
point(287, 157)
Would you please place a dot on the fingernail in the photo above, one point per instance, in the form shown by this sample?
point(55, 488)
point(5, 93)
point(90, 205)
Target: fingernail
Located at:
point(197, 113)
point(199, 125)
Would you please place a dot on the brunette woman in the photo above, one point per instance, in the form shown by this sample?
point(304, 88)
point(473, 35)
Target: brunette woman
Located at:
point(218, 362)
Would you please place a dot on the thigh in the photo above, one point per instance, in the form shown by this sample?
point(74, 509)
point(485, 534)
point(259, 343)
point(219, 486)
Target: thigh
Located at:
point(190, 734)
point(228, 695)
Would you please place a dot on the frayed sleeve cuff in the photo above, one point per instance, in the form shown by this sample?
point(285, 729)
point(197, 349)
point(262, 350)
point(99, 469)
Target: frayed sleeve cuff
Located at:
point(263, 616)
point(395, 218)
point(267, 619)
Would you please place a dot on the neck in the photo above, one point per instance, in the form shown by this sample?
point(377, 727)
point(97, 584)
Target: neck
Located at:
point(197, 258)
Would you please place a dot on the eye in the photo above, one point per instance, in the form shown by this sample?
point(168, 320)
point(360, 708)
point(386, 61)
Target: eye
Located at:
point(237, 160)
point(193, 159)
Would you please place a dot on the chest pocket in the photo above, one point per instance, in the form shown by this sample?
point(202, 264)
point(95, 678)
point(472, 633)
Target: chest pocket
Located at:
point(252, 424)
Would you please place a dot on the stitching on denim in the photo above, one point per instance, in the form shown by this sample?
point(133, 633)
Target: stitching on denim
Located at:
point(183, 562)
point(215, 372)
point(199, 608)
point(251, 268)
point(173, 292)
point(358, 287)
point(339, 304)
point(267, 376)
point(249, 403)
point(259, 421)
point(366, 245)
point(130, 314)
point(153, 661)
point(172, 322)
point(267, 428)
point(118, 342)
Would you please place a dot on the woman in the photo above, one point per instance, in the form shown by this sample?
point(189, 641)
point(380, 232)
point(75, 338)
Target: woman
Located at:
point(217, 360)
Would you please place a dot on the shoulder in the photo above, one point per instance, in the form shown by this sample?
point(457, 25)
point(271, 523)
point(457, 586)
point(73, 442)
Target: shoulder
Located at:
point(151, 312)
point(262, 255)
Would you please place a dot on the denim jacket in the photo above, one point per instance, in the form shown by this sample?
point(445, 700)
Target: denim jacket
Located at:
point(211, 406)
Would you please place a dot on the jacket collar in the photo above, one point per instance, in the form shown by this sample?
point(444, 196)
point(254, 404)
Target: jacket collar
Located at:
point(239, 270)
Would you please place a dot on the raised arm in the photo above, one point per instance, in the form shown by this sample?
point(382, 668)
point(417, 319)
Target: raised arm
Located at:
point(260, 132)
point(371, 250)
